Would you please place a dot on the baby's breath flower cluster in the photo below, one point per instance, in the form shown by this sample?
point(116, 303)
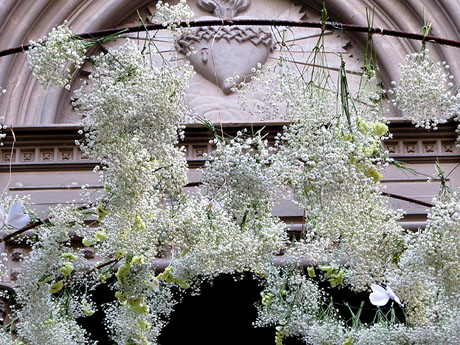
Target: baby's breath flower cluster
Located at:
point(277, 91)
point(54, 57)
point(132, 110)
point(6, 338)
point(171, 16)
point(236, 230)
point(142, 305)
point(129, 325)
point(332, 166)
point(239, 174)
point(294, 304)
point(368, 99)
point(221, 244)
point(428, 271)
point(425, 93)
point(330, 159)
point(45, 317)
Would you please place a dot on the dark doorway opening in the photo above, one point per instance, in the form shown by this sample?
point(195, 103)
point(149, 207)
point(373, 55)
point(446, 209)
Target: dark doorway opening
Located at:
point(222, 314)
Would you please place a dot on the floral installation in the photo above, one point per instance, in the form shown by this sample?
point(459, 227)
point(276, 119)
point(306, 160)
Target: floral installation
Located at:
point(171, 16)
point(329, 159)
point(53, 57)
point(425, 94)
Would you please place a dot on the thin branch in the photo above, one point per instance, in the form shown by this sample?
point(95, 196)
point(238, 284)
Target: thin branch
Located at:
point(391, 195)
point(33, 226)
point(262, 22)
point(107, 263)
point(24, 229)
point(94, 269)
point(405, 198)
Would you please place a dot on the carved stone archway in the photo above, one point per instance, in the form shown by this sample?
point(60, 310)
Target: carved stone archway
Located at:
point(26, 102)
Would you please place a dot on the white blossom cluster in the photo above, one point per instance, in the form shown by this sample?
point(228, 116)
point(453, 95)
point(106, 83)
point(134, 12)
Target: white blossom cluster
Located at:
point(45, 316)
point(171, 16)
point(458, 128)
point(142, 306)
point(221, 243)
point(54, 57)
point(428, 274)
point(297, 307)
point(235, 230)
point(367, 102)
point(330, 158)
point(132, 110)
point(283, 94)
point(332, 168)
point(289, 299)
point(425, 92)
point(239, 174)
point(6, 338)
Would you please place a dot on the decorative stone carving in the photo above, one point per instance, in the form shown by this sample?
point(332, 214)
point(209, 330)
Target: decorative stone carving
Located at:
point(17, 254)
point(47, 155)
point(27, 156)
point(200, 151)
point(218, 53)
point(429, 147)
point(14, 273)
point(7, 156)
point(410, 148)
point(225, 9)
point(66, 155)
point(89, 253)
point(448, 147)
point(392, 148)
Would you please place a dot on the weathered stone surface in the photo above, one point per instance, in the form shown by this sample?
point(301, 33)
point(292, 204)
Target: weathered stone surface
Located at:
point(26, 102)
point(218, 53)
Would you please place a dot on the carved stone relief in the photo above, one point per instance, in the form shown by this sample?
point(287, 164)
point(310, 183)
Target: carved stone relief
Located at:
point(218, 53)
point(223, 52)
point(26, 102)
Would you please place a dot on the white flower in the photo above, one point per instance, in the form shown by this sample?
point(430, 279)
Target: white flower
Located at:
point(54, 57)
point(380, 296)
point(15, 217)
point(424, 93)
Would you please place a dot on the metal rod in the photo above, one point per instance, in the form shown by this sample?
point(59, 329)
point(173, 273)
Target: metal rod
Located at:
point(258, 22)
point(405, 198)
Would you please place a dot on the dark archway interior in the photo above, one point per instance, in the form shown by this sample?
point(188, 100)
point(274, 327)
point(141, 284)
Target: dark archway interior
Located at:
point(224, 313)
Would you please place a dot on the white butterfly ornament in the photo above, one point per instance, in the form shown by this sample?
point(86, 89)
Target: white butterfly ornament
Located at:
point(15, 217)
point(380, 296)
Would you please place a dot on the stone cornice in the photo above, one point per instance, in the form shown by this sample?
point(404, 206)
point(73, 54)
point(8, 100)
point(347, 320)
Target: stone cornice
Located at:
point(52, 148)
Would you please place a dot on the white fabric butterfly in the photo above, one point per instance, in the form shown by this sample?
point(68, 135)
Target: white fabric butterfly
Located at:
point(15, 218)
point(380, 296)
